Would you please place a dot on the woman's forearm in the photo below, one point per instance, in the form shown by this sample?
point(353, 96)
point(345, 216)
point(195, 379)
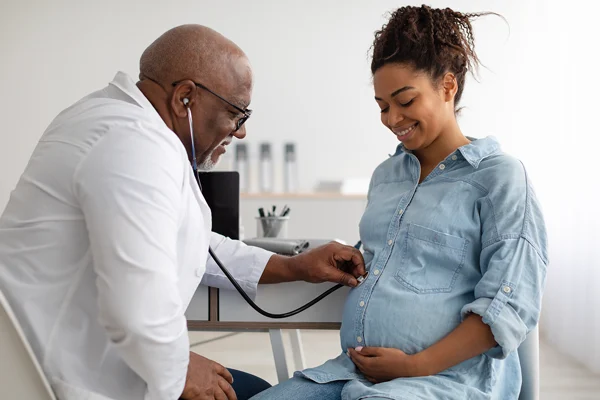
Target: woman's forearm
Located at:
point(471, 338)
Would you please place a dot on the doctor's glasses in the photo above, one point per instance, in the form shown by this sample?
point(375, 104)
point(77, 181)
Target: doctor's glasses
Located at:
point(245, 113)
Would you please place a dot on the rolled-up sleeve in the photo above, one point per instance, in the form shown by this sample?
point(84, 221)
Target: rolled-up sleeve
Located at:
point(513, 262)
point(245, 263)
point(509, 295)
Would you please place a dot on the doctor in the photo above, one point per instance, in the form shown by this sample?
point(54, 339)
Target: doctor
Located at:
point(105, 238)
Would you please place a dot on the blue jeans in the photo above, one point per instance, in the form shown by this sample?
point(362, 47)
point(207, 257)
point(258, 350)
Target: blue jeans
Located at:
point(298, 388)
point(246, 385)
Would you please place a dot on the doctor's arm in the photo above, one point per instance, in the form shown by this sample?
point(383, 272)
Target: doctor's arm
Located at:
point(250, 266)
point(130, 203)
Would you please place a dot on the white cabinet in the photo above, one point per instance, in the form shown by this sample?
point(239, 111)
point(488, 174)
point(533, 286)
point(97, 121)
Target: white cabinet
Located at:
point(315, 216)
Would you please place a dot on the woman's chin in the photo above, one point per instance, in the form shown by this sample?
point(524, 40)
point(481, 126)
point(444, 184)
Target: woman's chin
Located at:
point(412, 144)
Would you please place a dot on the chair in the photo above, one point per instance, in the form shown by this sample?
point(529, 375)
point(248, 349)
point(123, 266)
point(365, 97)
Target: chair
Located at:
point(21, 376)
point(529, 355)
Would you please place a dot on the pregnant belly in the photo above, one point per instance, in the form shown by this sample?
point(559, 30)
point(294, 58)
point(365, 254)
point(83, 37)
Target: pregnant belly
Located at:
point(407, 321)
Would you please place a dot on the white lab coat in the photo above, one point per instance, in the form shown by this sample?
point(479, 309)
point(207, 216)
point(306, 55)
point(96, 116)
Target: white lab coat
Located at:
point(102, 246)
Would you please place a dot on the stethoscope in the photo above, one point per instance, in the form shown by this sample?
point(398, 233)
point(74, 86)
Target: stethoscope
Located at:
point(228, 274)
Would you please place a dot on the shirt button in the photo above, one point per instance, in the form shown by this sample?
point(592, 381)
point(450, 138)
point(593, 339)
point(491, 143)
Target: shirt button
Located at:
point(376, 272)
point(199, 272)
point(442, 167)
point(390, 242)
point(506, 289)
point(454, 157)
point(362, 303)
point(359, 339)
point(401, 211)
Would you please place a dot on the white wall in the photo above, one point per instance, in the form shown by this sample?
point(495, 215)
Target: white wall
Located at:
point(310, 59)
point(312, 86)
point(568, 148)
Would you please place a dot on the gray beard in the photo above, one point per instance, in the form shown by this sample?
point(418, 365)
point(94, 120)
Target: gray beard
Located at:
point(208, 163)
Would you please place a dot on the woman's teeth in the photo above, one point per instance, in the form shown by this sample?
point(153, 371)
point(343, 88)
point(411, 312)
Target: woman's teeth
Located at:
point(407, 130)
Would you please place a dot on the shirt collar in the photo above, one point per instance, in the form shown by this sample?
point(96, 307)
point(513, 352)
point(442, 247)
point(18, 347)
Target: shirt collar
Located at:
point(474, 152)
point(127, 85)
point(479, 149)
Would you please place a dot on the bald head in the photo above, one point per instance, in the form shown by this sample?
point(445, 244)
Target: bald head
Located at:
point(212, 92)
point(192, 52)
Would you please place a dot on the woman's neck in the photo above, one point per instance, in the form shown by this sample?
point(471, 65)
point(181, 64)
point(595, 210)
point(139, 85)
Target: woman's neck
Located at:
point(444, 145)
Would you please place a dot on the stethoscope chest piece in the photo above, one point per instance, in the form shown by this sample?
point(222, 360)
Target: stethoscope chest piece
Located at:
point(362, 278)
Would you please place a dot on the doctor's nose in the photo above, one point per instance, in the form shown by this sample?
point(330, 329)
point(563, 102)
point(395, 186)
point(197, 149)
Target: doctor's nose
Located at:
point(240, 133)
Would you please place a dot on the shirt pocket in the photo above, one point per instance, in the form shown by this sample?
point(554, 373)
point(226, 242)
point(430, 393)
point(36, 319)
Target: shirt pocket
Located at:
point(430, 260)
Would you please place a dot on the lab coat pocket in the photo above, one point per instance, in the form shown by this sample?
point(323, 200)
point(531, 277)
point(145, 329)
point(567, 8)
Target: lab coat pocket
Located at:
point(430, 260)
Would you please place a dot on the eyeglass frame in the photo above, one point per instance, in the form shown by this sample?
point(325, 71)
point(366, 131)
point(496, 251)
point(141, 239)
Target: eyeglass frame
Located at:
point(246, 113)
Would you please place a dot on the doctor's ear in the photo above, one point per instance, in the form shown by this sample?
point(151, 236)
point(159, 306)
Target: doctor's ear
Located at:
point(183, 97)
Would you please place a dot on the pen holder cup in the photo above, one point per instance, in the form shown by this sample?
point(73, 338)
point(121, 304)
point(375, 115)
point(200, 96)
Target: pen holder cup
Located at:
point(272, 227)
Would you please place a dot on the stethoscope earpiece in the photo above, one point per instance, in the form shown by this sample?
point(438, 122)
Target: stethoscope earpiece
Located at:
point(186, 101)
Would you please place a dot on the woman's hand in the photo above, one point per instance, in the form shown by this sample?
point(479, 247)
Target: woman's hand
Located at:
point(470, 339)
point(381, 364)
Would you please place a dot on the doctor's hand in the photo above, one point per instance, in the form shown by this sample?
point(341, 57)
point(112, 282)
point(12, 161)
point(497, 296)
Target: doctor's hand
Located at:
point(333, 262)
point(207, 380)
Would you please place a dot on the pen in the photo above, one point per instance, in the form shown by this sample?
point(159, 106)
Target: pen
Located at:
point(263, 222)
point(285, 207)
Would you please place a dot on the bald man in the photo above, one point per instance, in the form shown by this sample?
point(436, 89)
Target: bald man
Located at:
point(105, 238)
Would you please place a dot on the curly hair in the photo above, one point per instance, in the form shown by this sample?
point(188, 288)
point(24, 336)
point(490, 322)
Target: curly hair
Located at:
point(436, 41)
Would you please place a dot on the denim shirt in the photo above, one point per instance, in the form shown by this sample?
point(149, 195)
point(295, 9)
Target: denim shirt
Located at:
point(470, 238)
